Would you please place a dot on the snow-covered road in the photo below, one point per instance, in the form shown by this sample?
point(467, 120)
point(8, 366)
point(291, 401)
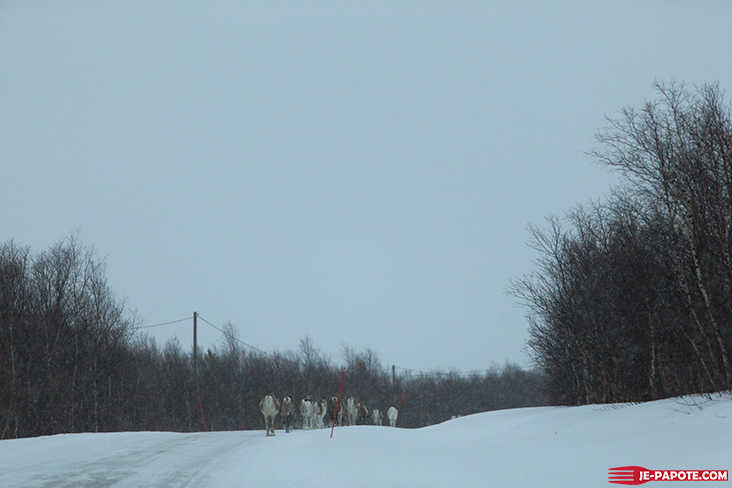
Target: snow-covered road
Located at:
point(161, 460)
point(522, 448)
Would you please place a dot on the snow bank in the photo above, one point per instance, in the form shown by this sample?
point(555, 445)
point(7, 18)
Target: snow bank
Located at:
point(532, 447)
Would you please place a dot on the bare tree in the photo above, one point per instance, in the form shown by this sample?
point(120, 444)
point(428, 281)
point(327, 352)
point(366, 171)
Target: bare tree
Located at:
point(677, 153)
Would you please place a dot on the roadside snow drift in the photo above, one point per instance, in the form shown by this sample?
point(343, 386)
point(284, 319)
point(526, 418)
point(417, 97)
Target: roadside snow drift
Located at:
point(531, 447)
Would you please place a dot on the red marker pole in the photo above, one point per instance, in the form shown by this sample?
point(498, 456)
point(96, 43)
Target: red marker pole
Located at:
point(338, 401)
point(400, 408)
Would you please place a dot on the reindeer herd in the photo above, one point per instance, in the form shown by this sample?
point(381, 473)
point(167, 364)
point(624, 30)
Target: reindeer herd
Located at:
point(315, 413)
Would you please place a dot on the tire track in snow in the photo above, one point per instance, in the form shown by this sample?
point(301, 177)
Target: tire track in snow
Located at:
point(199, 466)
point(192, 462)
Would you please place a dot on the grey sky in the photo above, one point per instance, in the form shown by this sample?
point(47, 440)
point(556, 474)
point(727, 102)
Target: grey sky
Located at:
point(362, 174)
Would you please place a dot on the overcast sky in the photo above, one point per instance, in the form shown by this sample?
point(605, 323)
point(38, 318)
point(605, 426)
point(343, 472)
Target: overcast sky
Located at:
point(361, 174)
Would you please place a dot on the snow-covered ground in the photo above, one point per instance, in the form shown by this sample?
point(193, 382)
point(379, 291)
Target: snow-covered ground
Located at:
point(531, 447)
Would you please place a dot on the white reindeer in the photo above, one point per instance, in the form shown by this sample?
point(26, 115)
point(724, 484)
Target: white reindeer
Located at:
point(269, 406)
point(306, 410)
point(324, 404)
point(352, 410)
point(392, 415)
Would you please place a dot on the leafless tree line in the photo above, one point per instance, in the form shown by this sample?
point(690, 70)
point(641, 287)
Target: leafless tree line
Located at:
point(64, 342)
point(632, 298)
point(72, 359)
point(233, 379)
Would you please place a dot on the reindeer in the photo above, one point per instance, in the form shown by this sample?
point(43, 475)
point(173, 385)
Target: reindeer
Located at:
point(362, 414)
point(306, 410)
point(320, 409)
point(352, 410)
point(269, 406)
point(392, 415)
point(286, 410)
point(331, 408)
point(342, 413)
point(376, 416)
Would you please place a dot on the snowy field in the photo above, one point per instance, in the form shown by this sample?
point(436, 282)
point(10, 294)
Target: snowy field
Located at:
point(531, 447)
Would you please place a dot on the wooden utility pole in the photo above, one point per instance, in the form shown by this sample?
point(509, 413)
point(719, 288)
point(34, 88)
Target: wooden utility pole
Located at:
point(195, 350)
point(393, 374)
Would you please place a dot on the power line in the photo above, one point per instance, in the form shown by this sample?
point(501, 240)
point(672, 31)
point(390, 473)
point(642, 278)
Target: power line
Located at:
point(165, 323)
point(227, 334)
point(445, 373)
